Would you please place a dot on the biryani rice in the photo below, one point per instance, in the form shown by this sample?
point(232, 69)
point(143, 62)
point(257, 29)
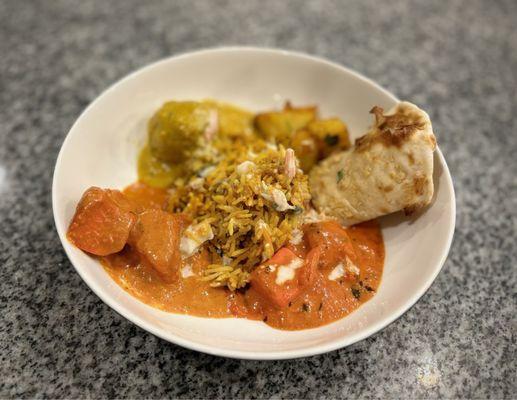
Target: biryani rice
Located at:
point(248, 227)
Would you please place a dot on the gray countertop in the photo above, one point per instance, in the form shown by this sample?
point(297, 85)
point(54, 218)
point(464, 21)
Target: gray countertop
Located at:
point(456, 59)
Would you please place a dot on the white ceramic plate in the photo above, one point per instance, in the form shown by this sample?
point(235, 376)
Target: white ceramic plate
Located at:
point(101, 149)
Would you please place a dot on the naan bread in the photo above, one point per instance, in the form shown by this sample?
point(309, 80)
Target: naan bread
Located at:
point(389, 169)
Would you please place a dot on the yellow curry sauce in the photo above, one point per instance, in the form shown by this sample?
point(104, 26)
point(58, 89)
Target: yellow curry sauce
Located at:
point(323, 302)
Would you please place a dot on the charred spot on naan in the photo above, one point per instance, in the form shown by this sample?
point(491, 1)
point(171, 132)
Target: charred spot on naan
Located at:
point(411, 158)
point(419, 184)
point(385, 188)
point(413, 208)
point(391, 130)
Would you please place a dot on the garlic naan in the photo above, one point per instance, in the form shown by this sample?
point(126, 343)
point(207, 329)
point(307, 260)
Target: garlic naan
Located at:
point(389, 169)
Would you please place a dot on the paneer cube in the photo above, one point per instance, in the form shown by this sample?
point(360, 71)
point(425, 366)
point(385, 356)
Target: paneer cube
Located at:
point(284, 277)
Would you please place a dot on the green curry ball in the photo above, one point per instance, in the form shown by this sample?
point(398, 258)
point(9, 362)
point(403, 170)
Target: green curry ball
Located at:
point(175, 130)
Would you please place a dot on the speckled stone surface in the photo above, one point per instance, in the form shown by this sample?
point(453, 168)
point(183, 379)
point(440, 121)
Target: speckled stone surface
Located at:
point(457, 59)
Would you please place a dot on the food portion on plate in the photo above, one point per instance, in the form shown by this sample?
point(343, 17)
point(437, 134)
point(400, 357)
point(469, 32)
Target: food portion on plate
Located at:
point(267, 216)
point(389, 169)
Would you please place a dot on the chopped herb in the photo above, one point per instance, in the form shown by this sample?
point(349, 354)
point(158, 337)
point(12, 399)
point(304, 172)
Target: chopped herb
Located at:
point(297, 210)
point(305, 307)
point(340, 175)
point(369, 288)
point(320, 307)
point(290, 303)
point(356, 292)
point(331, 140)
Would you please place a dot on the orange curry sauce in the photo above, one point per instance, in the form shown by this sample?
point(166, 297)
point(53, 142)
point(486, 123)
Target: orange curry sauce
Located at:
point(320, 303)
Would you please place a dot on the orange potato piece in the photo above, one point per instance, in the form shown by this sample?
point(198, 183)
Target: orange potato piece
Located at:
point(263, 278)
point(156, 237)
point(334, 241)
point(102, 222)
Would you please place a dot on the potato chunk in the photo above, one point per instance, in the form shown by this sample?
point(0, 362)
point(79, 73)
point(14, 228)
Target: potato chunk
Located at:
point(331, 135)
point(279, 126)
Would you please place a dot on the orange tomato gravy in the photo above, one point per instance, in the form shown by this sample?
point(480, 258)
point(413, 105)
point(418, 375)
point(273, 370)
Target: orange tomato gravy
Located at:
point(324, 302)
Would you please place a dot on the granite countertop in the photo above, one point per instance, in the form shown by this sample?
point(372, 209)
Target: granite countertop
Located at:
point(456, 59)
